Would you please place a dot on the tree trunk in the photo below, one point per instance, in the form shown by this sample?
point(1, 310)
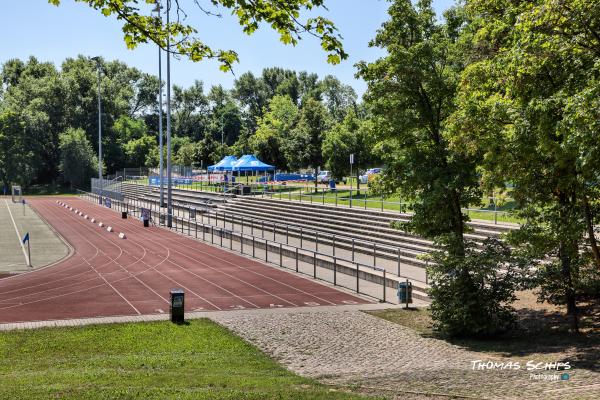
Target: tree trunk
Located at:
point(565, 260)
point(458, 246)
point(590, 229)
point(566, 251)
point(357, 179)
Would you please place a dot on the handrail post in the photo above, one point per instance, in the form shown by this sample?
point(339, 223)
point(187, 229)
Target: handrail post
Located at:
point(334, 271)
point(296, 259)
point(384, 286)
point(333, 245)
point(374, 254)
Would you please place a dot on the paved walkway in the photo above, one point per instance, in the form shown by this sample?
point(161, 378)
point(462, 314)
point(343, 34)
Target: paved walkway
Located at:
point(349, 347)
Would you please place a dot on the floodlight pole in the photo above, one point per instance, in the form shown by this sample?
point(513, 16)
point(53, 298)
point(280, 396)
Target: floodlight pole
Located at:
point(160, 128)
point(169, 188)
point(97, 59)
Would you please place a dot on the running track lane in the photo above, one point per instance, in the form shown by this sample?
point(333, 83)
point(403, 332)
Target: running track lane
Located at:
point(108, 276)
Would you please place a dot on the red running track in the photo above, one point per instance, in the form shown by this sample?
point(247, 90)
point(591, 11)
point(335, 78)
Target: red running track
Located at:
point(109, 276)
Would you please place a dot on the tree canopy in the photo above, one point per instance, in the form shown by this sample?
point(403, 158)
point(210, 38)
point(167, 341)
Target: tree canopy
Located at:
point(140, 25)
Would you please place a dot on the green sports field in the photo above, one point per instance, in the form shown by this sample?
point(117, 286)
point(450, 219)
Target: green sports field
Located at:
point(200, 360)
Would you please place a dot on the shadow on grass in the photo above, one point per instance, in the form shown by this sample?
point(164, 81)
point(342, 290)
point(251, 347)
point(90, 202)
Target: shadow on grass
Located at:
point(540, 333)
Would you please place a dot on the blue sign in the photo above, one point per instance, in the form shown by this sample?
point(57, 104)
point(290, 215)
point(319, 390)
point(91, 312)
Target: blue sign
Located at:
point(155, 181)
point(26, 238)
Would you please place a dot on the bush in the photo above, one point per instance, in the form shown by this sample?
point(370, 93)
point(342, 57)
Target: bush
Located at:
point(472, 295)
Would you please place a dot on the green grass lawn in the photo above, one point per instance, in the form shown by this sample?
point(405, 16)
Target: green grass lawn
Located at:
point(200, 360)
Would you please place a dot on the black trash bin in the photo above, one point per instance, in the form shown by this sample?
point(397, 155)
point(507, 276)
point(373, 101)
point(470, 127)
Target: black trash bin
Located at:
point(124, 214)
point(405, 292)
point(177, 304)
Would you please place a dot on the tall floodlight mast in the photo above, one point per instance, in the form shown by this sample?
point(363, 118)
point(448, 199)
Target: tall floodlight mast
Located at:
point(169, 180)
point(160, 117)
point(97, 60)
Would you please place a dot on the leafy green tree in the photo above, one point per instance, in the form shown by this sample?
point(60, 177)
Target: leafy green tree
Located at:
point(309, 86)
point(351, 136)
point(252, 94)
point(339, 98)
point(14, 165)
point(274, 129)
point(139, 151)
point(36, 94)
point(77, 160)
point(528, 108)
point(140, 26)
point(411, 93)
point(190, 111)
point(127, 129)
point(303, 147)
point(483, 307)
point(186, 154)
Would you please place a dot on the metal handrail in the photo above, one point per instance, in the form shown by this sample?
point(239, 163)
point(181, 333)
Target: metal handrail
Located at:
point(275, 241)
point(385, 283)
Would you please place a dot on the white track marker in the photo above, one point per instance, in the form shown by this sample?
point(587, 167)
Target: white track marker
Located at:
point(122, 235)
point(110, 229)
point(93, 220)
point(100, 224)
point(86, 216)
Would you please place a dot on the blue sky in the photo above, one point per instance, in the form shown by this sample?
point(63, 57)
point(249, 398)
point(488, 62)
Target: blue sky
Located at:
point(33, 27)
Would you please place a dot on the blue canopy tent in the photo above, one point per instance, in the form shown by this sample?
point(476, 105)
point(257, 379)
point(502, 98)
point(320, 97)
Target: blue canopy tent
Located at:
point(250, 163)
point(226, 164)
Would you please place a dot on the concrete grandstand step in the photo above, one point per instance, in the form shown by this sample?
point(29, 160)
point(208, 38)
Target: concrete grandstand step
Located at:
point(361, 243)
point(490, 229)
point(386, 236)
point(379, 230)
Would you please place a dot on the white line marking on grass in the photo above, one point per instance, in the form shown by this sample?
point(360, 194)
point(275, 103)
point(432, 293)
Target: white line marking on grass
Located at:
point(18, 234)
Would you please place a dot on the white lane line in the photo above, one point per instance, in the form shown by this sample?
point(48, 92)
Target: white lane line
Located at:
point(17, 232)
